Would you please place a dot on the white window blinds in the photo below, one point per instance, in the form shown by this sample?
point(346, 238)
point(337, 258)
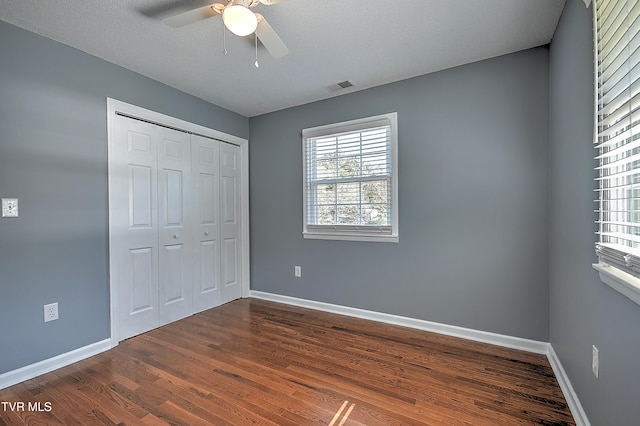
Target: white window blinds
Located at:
point(350, 179)
point(618, 133)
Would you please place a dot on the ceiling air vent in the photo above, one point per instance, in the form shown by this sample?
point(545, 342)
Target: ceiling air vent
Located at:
point(339, 86)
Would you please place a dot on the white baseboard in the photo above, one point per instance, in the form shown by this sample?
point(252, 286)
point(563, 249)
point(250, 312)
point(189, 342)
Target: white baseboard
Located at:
point(34, 370)
point(449, 330)
point(579, 415)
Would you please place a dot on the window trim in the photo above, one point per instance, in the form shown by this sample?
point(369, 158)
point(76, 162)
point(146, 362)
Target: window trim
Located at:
point(619, 280)
point(614, 277)
point(353, 232)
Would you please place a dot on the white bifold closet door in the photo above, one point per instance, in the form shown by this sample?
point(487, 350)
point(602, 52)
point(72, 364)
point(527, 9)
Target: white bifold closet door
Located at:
point(175, 234)
point(230, 222)
point(206, 184)
point(216, 171)
point(169, 239)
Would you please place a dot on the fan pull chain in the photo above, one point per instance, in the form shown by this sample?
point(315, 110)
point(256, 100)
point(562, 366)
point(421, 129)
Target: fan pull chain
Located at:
point(224, 39)
point(256, 63)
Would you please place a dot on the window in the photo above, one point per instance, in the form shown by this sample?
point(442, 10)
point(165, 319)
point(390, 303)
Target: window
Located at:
point(617, 26)
point(350, 180)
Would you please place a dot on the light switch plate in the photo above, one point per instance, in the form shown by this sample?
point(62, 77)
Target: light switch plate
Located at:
point(9, 207)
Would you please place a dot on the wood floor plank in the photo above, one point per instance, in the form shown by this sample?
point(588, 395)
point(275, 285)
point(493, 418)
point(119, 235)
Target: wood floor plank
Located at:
point(263, 363)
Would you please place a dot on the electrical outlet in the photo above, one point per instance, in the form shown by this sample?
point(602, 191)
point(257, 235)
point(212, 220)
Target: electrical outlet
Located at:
point(595, 362)
point(297, 271)
point(9, 207)
point(51, 312)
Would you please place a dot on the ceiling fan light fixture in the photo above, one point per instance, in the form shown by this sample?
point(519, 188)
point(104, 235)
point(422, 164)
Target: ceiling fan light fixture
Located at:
point(239, 19)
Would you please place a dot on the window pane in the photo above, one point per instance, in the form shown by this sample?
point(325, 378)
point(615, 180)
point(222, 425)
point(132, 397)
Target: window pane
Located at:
point(376, 191)
point(349, 167)
point(326, 194)
point(375, 215)
point(348, 215)
point(325, 215)
point(375, 164)
point(326, 167)
point(349, 193)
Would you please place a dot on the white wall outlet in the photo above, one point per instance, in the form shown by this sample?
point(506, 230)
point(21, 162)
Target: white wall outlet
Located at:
point(297, 271)
point(51, 312)
point(9, 207)
point(595, 362)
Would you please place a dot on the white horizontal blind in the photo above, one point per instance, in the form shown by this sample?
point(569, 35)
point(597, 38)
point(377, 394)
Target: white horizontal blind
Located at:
point(348, 179)
point(618, 134)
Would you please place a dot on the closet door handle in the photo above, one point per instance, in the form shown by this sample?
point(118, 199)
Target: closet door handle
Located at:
point(206, 233)
point(174, 236)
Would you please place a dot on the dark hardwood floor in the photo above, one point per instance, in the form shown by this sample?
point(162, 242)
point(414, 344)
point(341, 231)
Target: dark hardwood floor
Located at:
point(257, 362)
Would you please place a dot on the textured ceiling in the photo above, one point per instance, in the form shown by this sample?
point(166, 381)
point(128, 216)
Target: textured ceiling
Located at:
point(368, 42)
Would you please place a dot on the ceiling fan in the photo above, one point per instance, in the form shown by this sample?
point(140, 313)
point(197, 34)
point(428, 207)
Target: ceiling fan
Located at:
point(239, 19)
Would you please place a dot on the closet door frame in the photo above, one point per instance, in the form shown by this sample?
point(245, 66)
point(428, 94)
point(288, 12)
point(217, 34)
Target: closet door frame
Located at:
point(114, 108)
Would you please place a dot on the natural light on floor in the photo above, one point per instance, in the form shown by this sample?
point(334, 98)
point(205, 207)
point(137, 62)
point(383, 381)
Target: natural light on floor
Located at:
point(336, 417)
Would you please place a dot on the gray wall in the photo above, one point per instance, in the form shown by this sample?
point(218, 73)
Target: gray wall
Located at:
point(53, 157)
point(472, 194)
point(583, 311)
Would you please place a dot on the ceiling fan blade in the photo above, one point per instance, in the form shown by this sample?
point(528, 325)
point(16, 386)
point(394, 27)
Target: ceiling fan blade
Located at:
point(270, 39)
point(270, 2)
point(194, 15)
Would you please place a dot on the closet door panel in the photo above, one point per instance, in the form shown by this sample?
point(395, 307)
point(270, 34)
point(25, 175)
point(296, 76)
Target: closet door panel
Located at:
point(175, 240)
point(230, 223)
point(134, 227)
point(205, 171)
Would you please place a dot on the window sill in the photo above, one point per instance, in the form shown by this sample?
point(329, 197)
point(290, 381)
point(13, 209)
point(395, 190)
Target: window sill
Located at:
point(620, 281)
point(351, 237)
